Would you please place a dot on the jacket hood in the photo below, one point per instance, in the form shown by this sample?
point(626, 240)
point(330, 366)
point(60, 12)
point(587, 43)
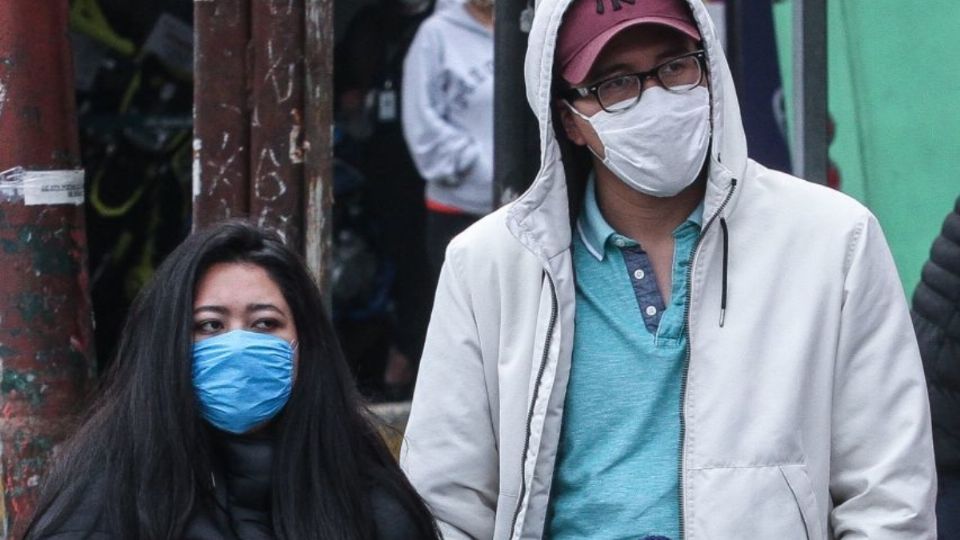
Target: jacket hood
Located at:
point(540, 218)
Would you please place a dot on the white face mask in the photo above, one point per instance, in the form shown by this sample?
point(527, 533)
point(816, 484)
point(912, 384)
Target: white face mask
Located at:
point(657, 147)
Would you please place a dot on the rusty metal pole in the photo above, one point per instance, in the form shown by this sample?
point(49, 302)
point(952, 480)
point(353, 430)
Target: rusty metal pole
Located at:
point(45, 318)
point(276, 129)
point(263, 118)
point(221, 144)
point(318, 119)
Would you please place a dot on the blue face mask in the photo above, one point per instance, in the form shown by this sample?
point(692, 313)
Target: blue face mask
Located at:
point(242, 378)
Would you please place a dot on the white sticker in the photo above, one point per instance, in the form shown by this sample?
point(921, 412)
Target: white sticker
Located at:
point(44, 187)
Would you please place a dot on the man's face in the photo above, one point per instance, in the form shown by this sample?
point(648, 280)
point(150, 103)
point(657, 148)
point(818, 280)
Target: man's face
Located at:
point(633, 50)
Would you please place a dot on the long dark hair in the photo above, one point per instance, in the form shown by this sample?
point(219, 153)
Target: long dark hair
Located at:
point(144, 439)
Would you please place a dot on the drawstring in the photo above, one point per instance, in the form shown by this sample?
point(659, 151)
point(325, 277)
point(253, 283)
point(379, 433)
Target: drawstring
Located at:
point(723, 293)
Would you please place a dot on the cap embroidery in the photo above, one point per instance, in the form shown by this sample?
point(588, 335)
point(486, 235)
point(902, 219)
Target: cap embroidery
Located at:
point(615, 4)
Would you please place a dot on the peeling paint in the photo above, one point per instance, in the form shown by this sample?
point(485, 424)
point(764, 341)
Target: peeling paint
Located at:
point(297, 149)
point(231, 108)
point(47, 251)
point(197, 147)
point(16, 382)
point(34, 306)
point(3, 97)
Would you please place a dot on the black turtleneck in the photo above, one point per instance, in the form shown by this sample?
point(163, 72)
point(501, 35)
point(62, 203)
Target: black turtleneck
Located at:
point(247, 463)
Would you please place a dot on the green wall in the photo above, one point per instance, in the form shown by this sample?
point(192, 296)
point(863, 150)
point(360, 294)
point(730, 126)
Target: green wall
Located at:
point(894, 93)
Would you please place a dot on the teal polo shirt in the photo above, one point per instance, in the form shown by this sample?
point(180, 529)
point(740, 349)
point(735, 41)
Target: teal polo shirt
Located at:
point(617, 471)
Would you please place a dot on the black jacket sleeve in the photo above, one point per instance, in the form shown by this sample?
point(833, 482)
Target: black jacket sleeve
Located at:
point(936, 318)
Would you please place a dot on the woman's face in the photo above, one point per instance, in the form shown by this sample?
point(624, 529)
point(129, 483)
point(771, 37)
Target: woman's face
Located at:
point(240, 296)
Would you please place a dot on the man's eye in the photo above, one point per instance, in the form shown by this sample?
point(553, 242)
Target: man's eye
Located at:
point(619, 82)
point(677, 66)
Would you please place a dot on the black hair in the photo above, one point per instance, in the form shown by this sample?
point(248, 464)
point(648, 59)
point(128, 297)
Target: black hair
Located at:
point(576, 160)
point(145, 440)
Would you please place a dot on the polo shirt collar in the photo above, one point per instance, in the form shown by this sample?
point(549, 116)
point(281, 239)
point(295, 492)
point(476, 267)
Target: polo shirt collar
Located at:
point(595, 232)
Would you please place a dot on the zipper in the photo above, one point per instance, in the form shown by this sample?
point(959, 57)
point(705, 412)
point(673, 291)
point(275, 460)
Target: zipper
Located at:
point(533, 402)
point(686, 363)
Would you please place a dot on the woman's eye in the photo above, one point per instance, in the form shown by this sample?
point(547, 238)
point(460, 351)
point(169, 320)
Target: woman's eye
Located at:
point(266, 324)
point(208, 326)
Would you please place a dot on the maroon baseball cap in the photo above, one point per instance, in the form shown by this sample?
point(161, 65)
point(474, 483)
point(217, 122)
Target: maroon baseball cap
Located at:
point(588, 25)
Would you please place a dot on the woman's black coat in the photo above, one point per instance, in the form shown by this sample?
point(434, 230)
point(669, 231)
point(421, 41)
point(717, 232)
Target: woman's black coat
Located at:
point(239, 510)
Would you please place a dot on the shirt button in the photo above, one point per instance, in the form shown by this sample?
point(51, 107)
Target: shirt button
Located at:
point(638, 273)
point(619, 242)
point(651, 311)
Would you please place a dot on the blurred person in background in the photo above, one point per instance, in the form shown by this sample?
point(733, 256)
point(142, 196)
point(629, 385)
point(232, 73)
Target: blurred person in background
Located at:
point(448, 118)
point(228, 413)
point(936, 317)
point(369, 67)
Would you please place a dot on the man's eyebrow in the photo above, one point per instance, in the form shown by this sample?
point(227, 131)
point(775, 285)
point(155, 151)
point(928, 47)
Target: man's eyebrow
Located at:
point(612, 70)
point(609, 71)
point(672, 52)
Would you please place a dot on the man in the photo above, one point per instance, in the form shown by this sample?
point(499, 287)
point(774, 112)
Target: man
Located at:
point(661, 338)
point(448, 118)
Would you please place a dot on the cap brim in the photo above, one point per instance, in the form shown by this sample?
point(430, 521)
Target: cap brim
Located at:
point(577, 69)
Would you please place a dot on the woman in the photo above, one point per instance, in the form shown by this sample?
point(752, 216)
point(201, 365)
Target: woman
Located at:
point(228, 413)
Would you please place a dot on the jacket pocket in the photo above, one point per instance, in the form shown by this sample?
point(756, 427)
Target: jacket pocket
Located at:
point(799, 483)
point(726, 503)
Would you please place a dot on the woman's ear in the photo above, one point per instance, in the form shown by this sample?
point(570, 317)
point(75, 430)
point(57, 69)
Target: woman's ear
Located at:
point(569, 123)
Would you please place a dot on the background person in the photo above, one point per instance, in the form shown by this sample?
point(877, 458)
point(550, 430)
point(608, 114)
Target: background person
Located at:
point(936, 317)
point(661, 337)
point(448, 118)
point(228, 413)
point(369, 79)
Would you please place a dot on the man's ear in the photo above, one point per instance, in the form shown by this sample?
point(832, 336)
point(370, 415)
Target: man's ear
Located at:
point(569, 123)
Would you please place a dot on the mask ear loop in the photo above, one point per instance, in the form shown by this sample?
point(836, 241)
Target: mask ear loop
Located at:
point(587, 120)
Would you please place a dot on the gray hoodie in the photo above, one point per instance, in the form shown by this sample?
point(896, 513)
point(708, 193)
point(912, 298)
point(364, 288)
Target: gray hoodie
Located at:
point(448, 109)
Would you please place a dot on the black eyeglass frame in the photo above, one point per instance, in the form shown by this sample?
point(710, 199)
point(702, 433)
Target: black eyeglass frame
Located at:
point(572, 94)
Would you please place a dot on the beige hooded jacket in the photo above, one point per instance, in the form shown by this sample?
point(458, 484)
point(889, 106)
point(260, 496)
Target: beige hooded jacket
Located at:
point(804, 414)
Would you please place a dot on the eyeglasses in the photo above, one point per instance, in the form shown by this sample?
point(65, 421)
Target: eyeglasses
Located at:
point(617, 94)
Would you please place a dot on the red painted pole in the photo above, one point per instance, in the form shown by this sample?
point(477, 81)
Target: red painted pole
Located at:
point(45, 323)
